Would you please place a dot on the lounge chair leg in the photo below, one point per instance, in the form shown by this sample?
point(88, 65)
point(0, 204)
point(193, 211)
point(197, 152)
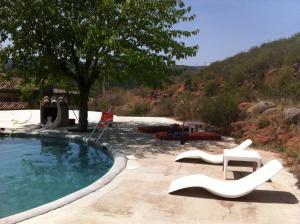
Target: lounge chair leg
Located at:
point(225, 165)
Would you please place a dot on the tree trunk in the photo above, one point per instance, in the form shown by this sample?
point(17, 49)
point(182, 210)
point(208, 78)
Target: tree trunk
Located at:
point(83, 108)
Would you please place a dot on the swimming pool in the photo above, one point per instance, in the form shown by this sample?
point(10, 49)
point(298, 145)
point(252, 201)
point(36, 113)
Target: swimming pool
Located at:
point(35, 171)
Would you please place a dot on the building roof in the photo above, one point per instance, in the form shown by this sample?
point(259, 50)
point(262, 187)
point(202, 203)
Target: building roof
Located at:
point(13, 105)
point(13, 84)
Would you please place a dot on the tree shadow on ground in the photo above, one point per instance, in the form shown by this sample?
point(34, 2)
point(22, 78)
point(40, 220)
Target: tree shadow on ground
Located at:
point(132, 142)
point(197, 161)
point(140, 144)
point(257, 196)
point(241, 174)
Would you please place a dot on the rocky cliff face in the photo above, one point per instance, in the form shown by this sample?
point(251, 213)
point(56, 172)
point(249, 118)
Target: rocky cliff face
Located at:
point(272, 127)
point(265, 122)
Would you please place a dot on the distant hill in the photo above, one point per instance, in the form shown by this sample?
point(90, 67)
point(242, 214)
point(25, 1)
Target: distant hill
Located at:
point(271, 70)
point(212, 94)
point(267, 72)
point(189, 68)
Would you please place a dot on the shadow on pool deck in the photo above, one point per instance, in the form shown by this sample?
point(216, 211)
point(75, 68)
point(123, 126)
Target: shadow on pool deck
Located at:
point(132, 142)
point(257, 196)
point(197, 161)
point(142, 144)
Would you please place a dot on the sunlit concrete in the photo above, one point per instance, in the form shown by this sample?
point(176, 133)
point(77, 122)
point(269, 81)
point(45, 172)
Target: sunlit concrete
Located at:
point(139, 193)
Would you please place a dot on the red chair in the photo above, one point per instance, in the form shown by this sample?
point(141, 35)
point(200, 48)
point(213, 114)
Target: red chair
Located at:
point(106, 121)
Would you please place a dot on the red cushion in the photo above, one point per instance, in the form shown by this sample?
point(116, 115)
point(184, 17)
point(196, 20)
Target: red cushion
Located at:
point(188, 136)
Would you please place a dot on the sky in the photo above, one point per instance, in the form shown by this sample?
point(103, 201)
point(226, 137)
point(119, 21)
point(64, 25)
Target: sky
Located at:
point(228, 27)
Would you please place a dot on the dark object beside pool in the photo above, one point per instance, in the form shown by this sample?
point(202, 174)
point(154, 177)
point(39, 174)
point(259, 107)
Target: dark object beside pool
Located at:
point(162, 128)
point(188, 136)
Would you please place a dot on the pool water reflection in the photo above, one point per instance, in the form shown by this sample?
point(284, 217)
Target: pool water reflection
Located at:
point(37, 171)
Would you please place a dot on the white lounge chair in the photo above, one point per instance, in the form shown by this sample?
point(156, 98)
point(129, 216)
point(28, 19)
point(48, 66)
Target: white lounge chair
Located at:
point(229, 189)
point(210, 158)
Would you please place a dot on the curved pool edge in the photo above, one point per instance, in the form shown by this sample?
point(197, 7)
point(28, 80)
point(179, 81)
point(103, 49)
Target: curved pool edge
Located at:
point(119, 165)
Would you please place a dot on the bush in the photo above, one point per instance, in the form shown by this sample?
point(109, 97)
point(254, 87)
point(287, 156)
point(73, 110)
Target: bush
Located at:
point(113, 98)
point(220, 110)
point(282, 84)
point(138, 108)
point(142, 91)
point(211, 88)
point(185, 107)
point(164, 107)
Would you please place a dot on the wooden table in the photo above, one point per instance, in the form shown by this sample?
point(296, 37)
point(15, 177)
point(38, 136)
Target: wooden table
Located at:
point(240, 155)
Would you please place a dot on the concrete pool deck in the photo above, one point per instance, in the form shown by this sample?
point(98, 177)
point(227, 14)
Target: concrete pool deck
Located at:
point(139, 193)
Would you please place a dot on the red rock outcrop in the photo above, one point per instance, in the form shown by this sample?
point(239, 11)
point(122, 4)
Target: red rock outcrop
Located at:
point(260, 107)
point(294, 144)
point(243, 107)
point(239, 129)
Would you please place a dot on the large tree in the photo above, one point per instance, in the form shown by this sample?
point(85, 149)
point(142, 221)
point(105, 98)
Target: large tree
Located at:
point(80, 41)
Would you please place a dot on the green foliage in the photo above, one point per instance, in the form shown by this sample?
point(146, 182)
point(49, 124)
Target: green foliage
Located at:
point(211, 88)
point(121, 102)
point(164, 107)
point(263, 72)
point(26, 91)
point(220, 110)
point(284, 85)
point(142, 91)
point(185, 106)
point(250, 68)
point(139, 109)
point(2, 72)
point(86, 40)
point(112, 99)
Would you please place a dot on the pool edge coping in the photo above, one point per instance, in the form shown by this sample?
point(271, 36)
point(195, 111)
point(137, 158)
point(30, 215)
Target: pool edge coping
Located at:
point(118, 166)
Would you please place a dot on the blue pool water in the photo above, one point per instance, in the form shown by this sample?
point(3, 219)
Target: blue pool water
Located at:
point(36, 171)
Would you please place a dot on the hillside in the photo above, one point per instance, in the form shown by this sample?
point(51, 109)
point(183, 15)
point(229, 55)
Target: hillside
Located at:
point(270, 71)
point(253, 94)
point(189, 67)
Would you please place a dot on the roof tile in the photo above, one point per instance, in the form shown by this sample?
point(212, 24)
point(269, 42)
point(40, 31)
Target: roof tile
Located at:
point(13, 84)
point(13, 105)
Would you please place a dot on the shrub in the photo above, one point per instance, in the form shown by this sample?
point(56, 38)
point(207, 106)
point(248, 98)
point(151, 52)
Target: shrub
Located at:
point(113, 98)
point(220, 110)
point(101, 104)
point(186, 106)
point(142, 91)
point(138, 108)
point(211, 88)
point(164, 107)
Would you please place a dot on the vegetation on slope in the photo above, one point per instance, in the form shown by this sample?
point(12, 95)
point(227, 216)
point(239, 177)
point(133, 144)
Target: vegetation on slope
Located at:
point(265, 71)
point(270, 71)
point(222, 93)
